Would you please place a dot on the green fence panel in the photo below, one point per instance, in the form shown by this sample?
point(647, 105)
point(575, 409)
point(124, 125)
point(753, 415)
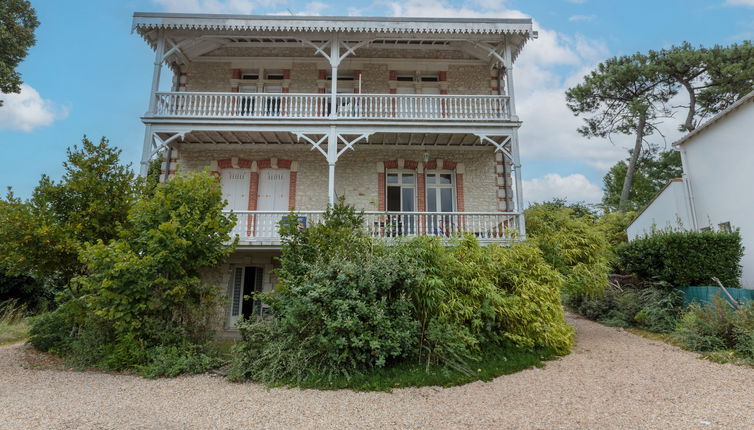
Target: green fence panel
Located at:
point(705, 294)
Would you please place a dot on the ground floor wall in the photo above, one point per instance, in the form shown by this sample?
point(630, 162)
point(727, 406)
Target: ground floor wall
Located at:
point(223, 277)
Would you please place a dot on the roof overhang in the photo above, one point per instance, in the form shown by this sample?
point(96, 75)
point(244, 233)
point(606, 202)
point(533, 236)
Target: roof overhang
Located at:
point(205, 27)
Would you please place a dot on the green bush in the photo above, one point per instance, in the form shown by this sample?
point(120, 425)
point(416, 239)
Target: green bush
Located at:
point(574, 245)
point(655, 309)
point(687, 258)
point(707, 328)
point(348, 304)
point(174, 360)
point(142, 290)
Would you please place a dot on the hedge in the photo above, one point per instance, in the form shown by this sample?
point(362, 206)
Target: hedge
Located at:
point(686, 258)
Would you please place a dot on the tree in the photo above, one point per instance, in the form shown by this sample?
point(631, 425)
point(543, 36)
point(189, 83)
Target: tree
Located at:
point(18, 20)
point(43, 236)
point(624, 95)
point(654, 169)
point(713, 78)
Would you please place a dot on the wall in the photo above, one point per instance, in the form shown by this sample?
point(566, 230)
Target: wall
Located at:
point(668, 210)
point(356, 172)
point(719, 164)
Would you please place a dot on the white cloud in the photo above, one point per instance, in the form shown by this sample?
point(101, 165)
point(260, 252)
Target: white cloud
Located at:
point(749, 3)
point(28, 110)
point(575, 187)
point(576, 18)
point(216, 6)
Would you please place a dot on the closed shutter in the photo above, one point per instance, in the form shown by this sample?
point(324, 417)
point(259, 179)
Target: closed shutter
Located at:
point(235, 308)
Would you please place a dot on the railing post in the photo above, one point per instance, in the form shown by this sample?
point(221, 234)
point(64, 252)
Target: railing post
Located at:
point(332, 156)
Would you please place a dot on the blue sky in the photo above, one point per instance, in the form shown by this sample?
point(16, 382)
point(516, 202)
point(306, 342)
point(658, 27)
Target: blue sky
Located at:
point(89, 75)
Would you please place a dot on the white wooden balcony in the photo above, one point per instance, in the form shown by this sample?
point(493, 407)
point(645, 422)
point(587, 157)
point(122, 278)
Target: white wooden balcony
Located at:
point(259, 106)
point(261, 227)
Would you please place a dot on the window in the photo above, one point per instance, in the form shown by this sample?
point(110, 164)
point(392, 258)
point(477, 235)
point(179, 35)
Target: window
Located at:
point(250, 75)
point(440, 192)
point(430, 77)
point(405, 77)
point(401, 191)
point(274, 75)
point(725, 227)
point(343, 75)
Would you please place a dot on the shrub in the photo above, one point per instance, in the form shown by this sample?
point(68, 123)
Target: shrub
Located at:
point(686, 258)
point(175, 360)
point(574, 245)
point(706, 328)
point(142, 290)
point(656, 309)
point(348, 304)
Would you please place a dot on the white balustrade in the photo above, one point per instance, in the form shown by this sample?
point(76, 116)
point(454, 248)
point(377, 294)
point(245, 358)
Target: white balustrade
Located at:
point(263, 226)
point(349, 106)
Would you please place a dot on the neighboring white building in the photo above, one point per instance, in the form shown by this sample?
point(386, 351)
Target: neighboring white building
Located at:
point(718, 170)
point(669, 209)
point(412, 120)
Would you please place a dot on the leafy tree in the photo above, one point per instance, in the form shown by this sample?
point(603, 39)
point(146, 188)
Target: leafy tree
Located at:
point(624, 95)
point(18, 20)
point(142, 299)
point(713, 78)
point(43, 236)
point(654, 169)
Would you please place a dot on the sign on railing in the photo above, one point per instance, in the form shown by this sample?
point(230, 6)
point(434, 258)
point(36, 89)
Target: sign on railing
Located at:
point(348, 106)
point(486, 226)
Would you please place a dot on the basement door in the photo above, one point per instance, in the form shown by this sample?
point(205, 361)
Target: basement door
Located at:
point(243, 303)
point(274, 185)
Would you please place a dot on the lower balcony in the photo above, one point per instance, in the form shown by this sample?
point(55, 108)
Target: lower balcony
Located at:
point(260, 228)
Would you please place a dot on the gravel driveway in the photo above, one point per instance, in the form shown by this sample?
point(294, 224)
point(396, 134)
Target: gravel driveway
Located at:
point(613, 379)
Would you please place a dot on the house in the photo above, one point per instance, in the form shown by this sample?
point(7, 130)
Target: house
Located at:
point(412, 120)
point(716, 189)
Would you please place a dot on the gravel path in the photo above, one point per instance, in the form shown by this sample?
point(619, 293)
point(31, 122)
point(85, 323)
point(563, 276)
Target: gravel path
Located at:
point(613, 379)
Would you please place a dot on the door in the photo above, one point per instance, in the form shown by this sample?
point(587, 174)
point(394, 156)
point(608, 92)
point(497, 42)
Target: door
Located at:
point(273, 196)
point(246, 282)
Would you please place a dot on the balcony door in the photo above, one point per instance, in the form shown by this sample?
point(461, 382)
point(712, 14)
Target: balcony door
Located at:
point(401, 197)
point(440, 198)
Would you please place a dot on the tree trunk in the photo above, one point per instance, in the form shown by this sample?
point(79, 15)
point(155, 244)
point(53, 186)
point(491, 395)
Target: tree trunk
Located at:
point(632, 163)
point(689, 124)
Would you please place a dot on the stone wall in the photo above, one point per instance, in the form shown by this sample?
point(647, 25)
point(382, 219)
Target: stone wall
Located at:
point(208, 77)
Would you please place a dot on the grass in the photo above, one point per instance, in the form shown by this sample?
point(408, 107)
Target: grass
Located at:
point(13, 327)
point(496, 361)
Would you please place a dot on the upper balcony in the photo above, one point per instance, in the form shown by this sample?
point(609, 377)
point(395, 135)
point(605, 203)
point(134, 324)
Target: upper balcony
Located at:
point(349, 107)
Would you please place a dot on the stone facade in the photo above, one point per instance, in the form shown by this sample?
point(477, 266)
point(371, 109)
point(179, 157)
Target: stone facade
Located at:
point(356, 174)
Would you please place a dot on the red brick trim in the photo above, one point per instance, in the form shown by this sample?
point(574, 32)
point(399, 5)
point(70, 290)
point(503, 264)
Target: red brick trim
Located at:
point(225, 164)
point(236, 73)
point(421, 193)
point(459, 192)
point(292, 191)
point(442, 76)
point(381, 191)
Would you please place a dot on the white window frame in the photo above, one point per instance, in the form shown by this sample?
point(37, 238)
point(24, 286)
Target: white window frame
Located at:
point(400, 173)
point(437, 187)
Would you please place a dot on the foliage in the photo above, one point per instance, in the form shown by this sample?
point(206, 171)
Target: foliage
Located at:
point(653, 171)
point(613, 226)
point(174, 360)
point(494, 361)
point(624, 95)
point(340, 307)
point(572, 245)
point(13, 326)
point(42, 237)
point(713, 78)
point(350, 306)
point(27, 291)
point(142, 290)
point(707, 327)
point(656, 308)
point(18, 20)
point(684, 258)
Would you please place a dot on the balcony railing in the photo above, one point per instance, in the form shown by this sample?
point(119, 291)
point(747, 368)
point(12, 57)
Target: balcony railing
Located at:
point(416, 107)
point(261, 227)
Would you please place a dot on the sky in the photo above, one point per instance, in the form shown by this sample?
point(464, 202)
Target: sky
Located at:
point(89, 75)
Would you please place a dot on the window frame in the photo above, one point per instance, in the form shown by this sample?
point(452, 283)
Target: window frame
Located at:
point(437, 187)
point(401, 185)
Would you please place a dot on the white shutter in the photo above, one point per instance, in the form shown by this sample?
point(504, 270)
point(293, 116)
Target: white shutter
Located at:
point(236, 295)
